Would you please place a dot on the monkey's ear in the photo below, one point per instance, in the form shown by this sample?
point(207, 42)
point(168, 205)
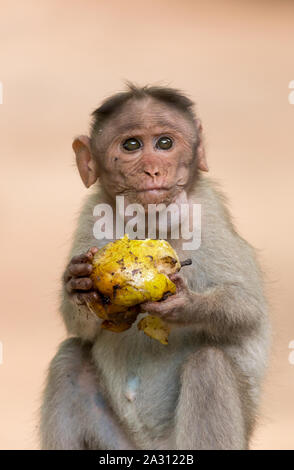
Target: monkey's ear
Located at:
point(201, 157)
point(85, 162)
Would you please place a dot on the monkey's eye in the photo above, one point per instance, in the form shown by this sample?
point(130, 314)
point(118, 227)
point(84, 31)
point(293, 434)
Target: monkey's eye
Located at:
point(164, 143)
point(132, 144)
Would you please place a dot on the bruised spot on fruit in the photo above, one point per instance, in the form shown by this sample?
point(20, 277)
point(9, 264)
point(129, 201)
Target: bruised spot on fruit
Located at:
point(135, 271)
point(105, 299)
point(115, 287)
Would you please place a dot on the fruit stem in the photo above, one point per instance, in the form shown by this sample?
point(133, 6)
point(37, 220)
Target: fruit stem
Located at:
point(186, 262)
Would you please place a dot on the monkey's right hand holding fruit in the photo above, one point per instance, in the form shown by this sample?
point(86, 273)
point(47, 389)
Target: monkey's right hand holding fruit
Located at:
point(77, 279)
point(112, 282)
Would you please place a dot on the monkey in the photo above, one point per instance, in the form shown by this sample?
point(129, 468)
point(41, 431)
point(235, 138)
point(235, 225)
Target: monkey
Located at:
point(114, 391)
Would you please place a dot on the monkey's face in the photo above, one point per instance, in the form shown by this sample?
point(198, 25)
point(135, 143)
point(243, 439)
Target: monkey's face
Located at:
point(146, 153)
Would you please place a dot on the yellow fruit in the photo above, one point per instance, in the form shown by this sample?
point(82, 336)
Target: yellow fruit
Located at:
point(128, 272)
point(155, 328)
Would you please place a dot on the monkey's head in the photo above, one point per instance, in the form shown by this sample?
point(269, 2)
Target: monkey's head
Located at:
point(145, 144)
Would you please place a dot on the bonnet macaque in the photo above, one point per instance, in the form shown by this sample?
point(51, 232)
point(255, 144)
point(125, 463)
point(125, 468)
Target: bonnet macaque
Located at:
point(109, 390)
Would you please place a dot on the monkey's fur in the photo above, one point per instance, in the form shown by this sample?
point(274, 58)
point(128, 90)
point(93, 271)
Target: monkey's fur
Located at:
point(126, 391)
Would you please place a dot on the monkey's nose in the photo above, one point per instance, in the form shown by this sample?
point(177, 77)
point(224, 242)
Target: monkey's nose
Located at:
point(152, 173)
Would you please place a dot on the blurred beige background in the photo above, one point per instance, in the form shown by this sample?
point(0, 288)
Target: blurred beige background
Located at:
point(58, 60)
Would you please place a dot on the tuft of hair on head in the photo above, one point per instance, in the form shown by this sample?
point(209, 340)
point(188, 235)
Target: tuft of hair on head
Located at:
point(112, 105)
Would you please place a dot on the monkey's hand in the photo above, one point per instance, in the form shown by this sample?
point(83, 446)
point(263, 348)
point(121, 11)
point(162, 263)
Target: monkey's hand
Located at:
point(177, 308)
point(77, 279)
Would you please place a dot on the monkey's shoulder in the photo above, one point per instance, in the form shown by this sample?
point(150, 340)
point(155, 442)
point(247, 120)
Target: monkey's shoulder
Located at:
point(217, 216)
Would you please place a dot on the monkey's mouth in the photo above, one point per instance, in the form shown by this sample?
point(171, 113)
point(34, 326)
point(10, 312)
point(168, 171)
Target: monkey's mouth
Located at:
point(154, 195)
point(153, 189)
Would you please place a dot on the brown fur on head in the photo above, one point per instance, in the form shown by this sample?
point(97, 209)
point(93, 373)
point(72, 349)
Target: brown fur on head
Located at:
point(149, 173)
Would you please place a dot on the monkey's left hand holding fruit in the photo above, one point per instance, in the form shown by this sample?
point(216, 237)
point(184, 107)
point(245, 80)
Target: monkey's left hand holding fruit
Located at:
point(134, 276)
point(177, 308)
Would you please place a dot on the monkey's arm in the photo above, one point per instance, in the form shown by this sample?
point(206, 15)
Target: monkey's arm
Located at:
point(219, 310)
point(78, 319)
point(226, 308)
point(76, 283)
point(233, 302)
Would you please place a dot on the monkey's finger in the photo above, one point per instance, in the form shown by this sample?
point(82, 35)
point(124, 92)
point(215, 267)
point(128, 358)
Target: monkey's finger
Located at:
point(164, 307)
point(80, 269)
point(84, 257)
point(178, 280)
point(163, 312)
point(93, 250)
point(86, 298)
point(151, 307)
point(80, 283)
